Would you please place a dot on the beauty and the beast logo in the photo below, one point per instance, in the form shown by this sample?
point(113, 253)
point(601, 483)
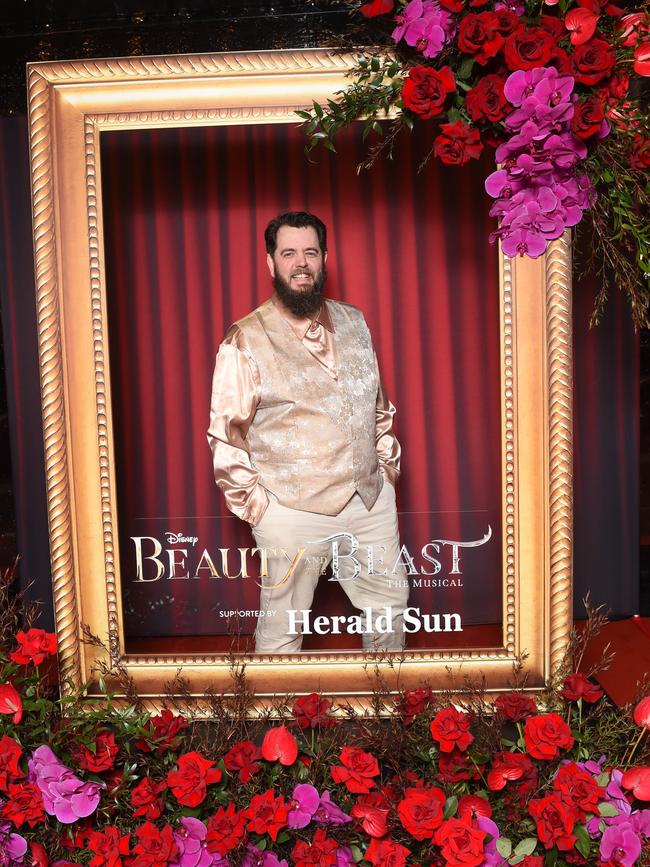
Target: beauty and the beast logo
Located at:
point(177, 557)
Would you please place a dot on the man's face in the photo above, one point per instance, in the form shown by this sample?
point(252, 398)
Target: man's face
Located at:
point(298, 269)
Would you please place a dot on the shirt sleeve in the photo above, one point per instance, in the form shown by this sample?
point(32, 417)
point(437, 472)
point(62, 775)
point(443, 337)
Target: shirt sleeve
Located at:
point(235, 397)
point(388, 448)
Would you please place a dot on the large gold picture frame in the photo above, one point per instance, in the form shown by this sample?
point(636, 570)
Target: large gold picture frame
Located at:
point(70, 105)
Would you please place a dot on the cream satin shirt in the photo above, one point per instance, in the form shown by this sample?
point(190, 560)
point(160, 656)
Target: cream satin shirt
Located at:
point(237, 382)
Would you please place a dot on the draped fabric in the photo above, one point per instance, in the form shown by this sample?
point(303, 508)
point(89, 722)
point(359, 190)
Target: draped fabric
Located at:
point(184, 214)
point(186, 217)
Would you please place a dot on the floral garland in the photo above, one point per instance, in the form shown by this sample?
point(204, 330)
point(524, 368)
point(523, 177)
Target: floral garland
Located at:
point(545, 84)
point(462, 785)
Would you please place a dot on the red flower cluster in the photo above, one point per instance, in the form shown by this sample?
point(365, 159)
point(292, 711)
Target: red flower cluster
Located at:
point(546, 735)
point(35, 646)
point(311, 711)
point(421, 811)
point(244, 759)
point(226, 830)
point(425, 90)
point(267, 814)
point(356, 770)
point(321, 851)
point(101, 756)
point(189, 783)
point(162, 733)
point(450, 727)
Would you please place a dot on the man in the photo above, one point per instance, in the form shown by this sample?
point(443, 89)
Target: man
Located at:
point(303, 449)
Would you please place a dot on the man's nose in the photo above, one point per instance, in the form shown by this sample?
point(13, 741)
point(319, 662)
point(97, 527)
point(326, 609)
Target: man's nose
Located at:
point(301, 259)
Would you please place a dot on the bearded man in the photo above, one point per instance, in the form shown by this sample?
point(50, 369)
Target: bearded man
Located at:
point(303, 447)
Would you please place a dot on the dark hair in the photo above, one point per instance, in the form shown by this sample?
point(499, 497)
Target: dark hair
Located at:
point(296, 220)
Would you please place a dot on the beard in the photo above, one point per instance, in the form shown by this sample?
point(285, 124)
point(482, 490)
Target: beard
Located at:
point(303, 304)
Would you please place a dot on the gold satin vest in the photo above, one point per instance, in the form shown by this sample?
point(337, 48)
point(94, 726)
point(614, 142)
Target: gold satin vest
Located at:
point(313, 437)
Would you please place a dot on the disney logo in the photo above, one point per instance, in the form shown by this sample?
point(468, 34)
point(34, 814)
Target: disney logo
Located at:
point(177, 538)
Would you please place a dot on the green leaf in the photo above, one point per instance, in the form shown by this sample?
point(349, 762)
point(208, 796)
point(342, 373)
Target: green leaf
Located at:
point(330, 146)
point(357, 854)
point(304, 114)
point(606, 809)
point(551, 857)
point(318, 109)
point(465, 68)
point(583, 841)
point(526, 846)
point(451, 805)
point(504, 847)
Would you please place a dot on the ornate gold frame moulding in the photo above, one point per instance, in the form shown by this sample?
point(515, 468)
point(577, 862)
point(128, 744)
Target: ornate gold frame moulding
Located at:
point(70, 104)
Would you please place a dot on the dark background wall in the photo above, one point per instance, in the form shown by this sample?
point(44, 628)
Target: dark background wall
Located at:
point(606, 359)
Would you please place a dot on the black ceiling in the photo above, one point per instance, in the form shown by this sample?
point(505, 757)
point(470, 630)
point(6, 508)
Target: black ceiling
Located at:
point(54, 30)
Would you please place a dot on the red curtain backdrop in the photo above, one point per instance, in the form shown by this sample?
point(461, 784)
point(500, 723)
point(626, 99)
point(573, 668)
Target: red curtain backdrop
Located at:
point(184, 213)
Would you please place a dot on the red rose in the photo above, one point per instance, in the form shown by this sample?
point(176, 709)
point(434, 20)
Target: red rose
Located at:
point(376, 7)
point(226, 830)
point(154, 848)
point(356, 770)
point(478, 35)
point(452, 5)
point(267, 814)
point(454, 767)
point(546, 735)
point(450, 727)
point(640, 153)
point(515, 706)
point(189, 783)
point(421, 812)
point(108, 847)
point(321, 851)
point(161, 733)
point(146, 797)
point(310, 711)
point(587, 120)
point(505, 21)
point(553, 25)
point(532, 861)
point(461, 844)
point(555, 821)
point(279, 745)
point(10, 702)
point(34, 646)
point(457, 144)
point(243, 757)
point(528, 48)
point(641, 714)
point(425, 90)
point(577, 686)
point(472, 807)
point(638, 781)
point(578, 789)
point(413, 702)
point(10, 754)
point(507, 767)
point(617, 87)
point(486, 101)
point(102, 758)
point(386, 853)
point(593, 61)
point(25, 804)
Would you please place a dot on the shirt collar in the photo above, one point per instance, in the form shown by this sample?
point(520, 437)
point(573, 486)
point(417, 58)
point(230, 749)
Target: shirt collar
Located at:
point(302, 329)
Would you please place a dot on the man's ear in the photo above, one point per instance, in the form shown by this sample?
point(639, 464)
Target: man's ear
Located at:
point(271, 264)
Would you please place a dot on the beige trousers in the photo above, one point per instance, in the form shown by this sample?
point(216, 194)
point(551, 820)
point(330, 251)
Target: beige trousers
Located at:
point(286, 595)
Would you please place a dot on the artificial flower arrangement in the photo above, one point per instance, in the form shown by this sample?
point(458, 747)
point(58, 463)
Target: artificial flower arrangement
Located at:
point(554, 87)
point(559, 779)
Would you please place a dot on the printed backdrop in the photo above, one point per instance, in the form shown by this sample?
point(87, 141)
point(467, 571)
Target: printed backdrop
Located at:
point(184, 213)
